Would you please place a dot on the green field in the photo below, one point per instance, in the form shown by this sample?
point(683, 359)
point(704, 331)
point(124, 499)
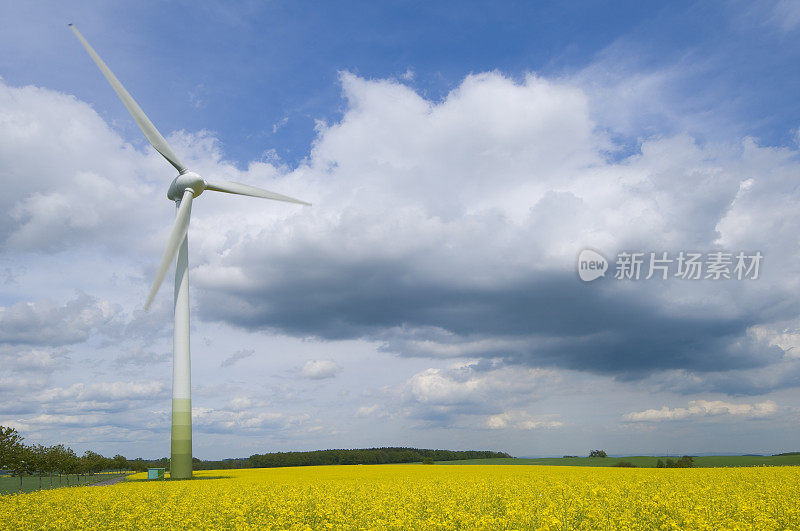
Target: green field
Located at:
point(643, 461)
point(10, 485)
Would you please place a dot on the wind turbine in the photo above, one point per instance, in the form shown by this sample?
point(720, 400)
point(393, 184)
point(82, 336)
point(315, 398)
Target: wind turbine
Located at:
point(183, 189)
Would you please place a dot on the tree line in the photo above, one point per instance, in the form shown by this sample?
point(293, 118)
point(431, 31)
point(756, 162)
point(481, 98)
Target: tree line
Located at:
point(21, 459)
point(359, 456)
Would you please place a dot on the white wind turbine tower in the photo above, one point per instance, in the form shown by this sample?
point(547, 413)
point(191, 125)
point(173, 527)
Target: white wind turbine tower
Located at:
point(183, 189)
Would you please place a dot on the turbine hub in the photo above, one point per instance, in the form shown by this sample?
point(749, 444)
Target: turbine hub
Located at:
point(185, 180)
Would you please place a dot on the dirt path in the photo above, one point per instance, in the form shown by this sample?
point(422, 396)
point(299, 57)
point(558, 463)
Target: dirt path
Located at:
point(106, 482)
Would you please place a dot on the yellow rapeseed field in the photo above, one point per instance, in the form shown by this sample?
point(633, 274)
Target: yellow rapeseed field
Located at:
point(426, 497)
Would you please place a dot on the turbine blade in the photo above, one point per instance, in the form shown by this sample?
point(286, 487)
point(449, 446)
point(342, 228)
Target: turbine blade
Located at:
point(144, 123)
point(173, 243)
point(243, 189)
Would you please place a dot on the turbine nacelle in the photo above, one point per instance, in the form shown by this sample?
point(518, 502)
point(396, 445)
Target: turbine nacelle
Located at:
point(186, 180)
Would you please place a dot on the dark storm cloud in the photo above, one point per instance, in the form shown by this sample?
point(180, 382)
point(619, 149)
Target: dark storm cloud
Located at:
point(752, 382)
point(550, 320)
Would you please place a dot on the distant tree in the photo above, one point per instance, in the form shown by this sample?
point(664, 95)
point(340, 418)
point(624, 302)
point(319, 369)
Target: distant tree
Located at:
point(51, 462)
point(138, 465)
point(83, 467)
point(598, 453)
point(54, 456)
point(670, 463)
point(625, 464)
point(685, 462)
point(22, 462)
point(94, 462)
point(118, 462)
point(69, 463)
point(10, 441)
point(59, 457)
point(39, 461)
point(660, 464)
point(427, 461)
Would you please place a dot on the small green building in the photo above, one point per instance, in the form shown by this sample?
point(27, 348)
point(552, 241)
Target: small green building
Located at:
point(155, 473)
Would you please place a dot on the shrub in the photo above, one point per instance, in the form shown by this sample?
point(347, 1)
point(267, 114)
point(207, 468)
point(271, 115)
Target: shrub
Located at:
point(684, 462)
point(660, 464)
point(625, 464)
point(427, 461)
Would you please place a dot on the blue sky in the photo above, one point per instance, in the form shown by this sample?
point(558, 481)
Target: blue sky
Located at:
point(240, 70)
point(459, 157)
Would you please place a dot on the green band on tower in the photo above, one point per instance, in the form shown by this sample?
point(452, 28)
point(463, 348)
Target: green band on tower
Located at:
point(181, 455)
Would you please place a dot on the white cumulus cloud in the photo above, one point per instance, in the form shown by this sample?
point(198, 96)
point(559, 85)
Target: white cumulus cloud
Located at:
point(319, 369)
point(520, 420)
point(705, 408)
